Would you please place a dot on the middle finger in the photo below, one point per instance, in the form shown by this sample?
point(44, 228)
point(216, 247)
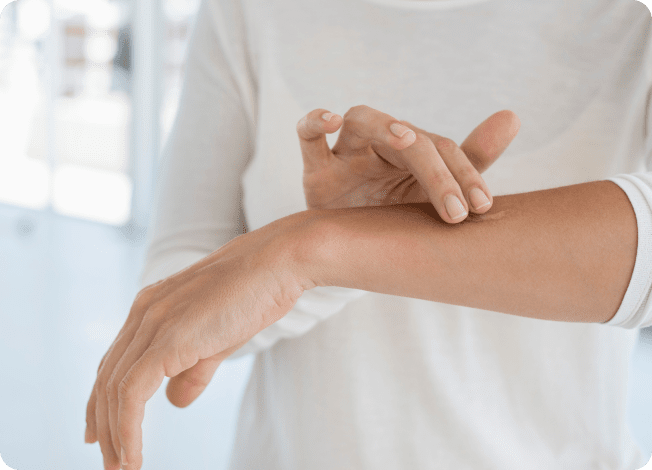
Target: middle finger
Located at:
point(474, 188)
point(428, 167)
point(465, 170)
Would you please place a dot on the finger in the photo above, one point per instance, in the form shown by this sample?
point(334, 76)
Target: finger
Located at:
point(98, 419)
point(91, 422)
point(109, 455)
point(427, 166)
point(489, 140)
point(141, 341)
point(363, 125)
point(184, 388)
point(139, 385)
point(312, 130)
point(97, 412)
point(474, 188)
point(91, 435)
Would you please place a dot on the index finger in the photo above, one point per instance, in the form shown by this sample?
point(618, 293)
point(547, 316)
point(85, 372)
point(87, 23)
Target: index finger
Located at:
point(364, 125)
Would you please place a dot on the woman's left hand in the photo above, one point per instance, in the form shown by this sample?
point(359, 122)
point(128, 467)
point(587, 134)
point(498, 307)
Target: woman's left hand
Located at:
point(184, 326)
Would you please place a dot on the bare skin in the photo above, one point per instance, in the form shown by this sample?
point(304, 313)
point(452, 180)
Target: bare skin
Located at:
point(184, 326)
point(563, 254)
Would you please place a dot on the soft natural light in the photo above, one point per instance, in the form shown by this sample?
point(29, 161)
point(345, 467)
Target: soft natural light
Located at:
point(33, 18)
point(24, 182)
point(177, 10)
point(100, 14)
point(93, 194)
point(101, 48)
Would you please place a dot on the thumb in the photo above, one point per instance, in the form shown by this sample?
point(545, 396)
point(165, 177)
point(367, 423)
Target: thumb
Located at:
point(489, 140)
point(184, 388)
point(312, 130)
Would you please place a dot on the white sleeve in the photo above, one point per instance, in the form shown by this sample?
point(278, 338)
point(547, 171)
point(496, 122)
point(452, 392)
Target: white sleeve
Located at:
point(198, 192)
point(635, 310)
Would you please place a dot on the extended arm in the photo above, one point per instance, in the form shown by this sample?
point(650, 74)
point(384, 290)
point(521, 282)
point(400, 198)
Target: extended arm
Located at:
point(563, 254)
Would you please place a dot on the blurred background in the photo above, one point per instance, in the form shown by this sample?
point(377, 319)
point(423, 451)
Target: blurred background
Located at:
point(88, 93)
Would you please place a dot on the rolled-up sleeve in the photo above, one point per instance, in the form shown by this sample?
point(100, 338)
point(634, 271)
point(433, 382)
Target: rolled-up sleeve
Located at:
point(635, 311)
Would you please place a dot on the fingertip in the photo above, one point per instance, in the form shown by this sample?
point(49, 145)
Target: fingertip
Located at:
point(336, 121)
point(408, 139)
point(455, 209)
point(180, 393)
point(513, 119)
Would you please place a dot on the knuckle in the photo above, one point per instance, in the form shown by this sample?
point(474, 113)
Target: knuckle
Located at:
point(442, 179)
point(445, 180)
point(422, 140)
point(125, 389)
point(108, 388)
point(154, 313)
point(146, 294)
point(445, 144)
point(468, 175)
point(355, 112)
point(142, 301)
point(111, 386)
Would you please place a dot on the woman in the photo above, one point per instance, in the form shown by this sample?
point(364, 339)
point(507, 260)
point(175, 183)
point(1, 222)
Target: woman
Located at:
point(400, 335)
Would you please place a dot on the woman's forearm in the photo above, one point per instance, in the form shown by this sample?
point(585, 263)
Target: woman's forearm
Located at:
point(564, 254)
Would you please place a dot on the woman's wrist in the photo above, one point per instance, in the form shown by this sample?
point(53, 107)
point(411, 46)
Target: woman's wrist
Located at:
point(306, 247)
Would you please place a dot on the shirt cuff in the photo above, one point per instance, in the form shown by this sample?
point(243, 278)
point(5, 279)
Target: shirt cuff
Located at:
point(635, 311)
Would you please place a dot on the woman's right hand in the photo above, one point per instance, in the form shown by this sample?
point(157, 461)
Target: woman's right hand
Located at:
point(369, 165)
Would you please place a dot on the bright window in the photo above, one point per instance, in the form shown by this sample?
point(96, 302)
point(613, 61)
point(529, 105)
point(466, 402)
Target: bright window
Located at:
point(72, 138)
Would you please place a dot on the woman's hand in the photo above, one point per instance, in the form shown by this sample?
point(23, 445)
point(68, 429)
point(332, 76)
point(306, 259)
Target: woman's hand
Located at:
point(370, 165)
point(185, 325)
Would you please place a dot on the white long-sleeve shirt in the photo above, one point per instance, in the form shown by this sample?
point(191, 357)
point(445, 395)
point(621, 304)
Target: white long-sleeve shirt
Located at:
point(356, 380)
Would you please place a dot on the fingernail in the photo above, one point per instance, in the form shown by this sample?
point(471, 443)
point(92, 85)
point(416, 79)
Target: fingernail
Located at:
point(454, 207)
point(327, 116)
point(478, 198)
point(399, 130)
point(123, 456)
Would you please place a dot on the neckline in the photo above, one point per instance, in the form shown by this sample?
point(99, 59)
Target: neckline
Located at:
point(426, 4)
